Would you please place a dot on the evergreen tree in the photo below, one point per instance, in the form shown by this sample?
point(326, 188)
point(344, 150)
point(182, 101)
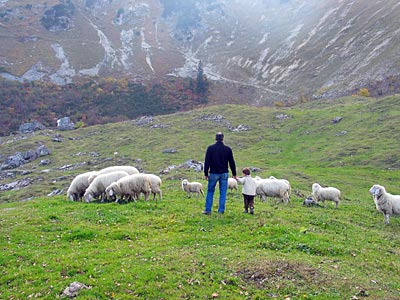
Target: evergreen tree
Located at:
point(201, 83)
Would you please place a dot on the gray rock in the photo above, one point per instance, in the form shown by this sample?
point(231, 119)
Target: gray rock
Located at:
point(145, 120)
point(45, 162)
point(170, 150)
point(42, 150)
point(73, 289)
point(31, 127)
point(337, 120)
point(65, 124)
point(20, 158)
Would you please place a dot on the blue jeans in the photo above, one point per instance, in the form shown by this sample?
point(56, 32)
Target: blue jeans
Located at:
point(222, 179)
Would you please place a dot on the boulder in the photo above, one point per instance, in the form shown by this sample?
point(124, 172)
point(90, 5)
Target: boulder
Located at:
point(20, 158)
point(31, 127)
point(65, 124)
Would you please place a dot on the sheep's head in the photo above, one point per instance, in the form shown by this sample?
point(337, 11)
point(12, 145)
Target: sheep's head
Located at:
point(377, 190)
point(185, 182)
point(88, 196)
point(71, 196)
point(315, 187)
point(112, 189)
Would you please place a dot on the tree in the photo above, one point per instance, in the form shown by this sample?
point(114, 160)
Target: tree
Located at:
point(201, 83)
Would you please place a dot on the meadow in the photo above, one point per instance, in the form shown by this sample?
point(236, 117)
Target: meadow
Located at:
point(168, 250)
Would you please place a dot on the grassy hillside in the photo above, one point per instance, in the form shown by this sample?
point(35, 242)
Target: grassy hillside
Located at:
point(169, 250)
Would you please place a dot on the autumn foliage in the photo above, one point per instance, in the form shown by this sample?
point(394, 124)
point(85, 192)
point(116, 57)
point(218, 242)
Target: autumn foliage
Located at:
point(92, 101)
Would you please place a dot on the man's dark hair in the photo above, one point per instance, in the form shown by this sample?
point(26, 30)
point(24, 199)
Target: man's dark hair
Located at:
point(219, 136)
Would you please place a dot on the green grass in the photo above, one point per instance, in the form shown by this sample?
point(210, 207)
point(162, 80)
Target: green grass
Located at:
point(169, 250)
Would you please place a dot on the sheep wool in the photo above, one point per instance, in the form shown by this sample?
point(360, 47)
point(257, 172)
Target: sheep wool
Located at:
point(326, 193)
point(272, 187)
point(385, 202)
point(100, 183)
point(155, 185)
point(128, 169)
point(133, 185)
point(232, 184)
point(79, 185)
point(192, 187)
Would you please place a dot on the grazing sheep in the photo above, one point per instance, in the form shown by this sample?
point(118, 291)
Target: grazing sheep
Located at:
point(325, 193)
point(100, 183)
point(232, 184)
point(155, 185)
point(128, 169)
point(272, 188)
point(284, 180)
point(131, 186)
point(385, 202)
point(192, 187)
point(78, 186)
point(113, 191)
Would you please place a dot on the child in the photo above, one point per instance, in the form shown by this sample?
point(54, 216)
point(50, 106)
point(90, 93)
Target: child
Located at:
point(248, 190)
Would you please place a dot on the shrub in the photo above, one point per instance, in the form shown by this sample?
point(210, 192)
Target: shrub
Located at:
point(363, 92)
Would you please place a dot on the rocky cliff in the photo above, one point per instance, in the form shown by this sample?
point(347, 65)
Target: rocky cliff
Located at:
point(278, 49)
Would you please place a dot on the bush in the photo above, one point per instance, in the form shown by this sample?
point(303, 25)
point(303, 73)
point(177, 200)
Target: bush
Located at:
point(363, 92)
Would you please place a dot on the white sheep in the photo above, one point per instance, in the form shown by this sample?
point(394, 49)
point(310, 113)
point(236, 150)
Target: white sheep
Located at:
point(192, 187)
point(232, 184)
point(79, 185)
point(100, 183)
point(131, 186)
point(326, 193)
point(128, 169)
point(155, 185)
point(275, 188)
point(284, 180)
point(385, 202)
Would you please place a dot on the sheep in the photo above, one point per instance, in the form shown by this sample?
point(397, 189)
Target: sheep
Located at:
point(131, 186)
point(79, 185)
point(284, 180)
point(128, 169)
point(272, 188)
point(326, 193)
point(385, 202)
point(192, 187)
point(155, 185)
point(232, 184)
point(100, 183)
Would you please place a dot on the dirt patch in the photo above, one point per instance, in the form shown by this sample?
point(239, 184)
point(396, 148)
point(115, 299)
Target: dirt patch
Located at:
point(273, 274)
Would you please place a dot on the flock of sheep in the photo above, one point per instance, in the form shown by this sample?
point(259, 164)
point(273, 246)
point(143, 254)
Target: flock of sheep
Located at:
point(125, 182)
point(115, 183)
point(385, 202)
point(270, 187)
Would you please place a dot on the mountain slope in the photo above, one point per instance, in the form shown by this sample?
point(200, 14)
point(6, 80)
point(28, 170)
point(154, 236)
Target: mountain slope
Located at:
point(278, 49)
point(301, 143)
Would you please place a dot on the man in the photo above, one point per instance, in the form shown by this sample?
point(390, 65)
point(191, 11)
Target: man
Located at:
point(218, 157)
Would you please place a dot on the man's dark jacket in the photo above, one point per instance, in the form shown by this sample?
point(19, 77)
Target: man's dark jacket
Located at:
point(218, 156)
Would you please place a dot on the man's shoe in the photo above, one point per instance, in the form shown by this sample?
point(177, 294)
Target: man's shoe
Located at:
point(204, 212)
point(252, 211)
point(245, 211)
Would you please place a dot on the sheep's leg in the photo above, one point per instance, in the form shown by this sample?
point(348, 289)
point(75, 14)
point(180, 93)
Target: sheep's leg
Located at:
point(387, 217)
